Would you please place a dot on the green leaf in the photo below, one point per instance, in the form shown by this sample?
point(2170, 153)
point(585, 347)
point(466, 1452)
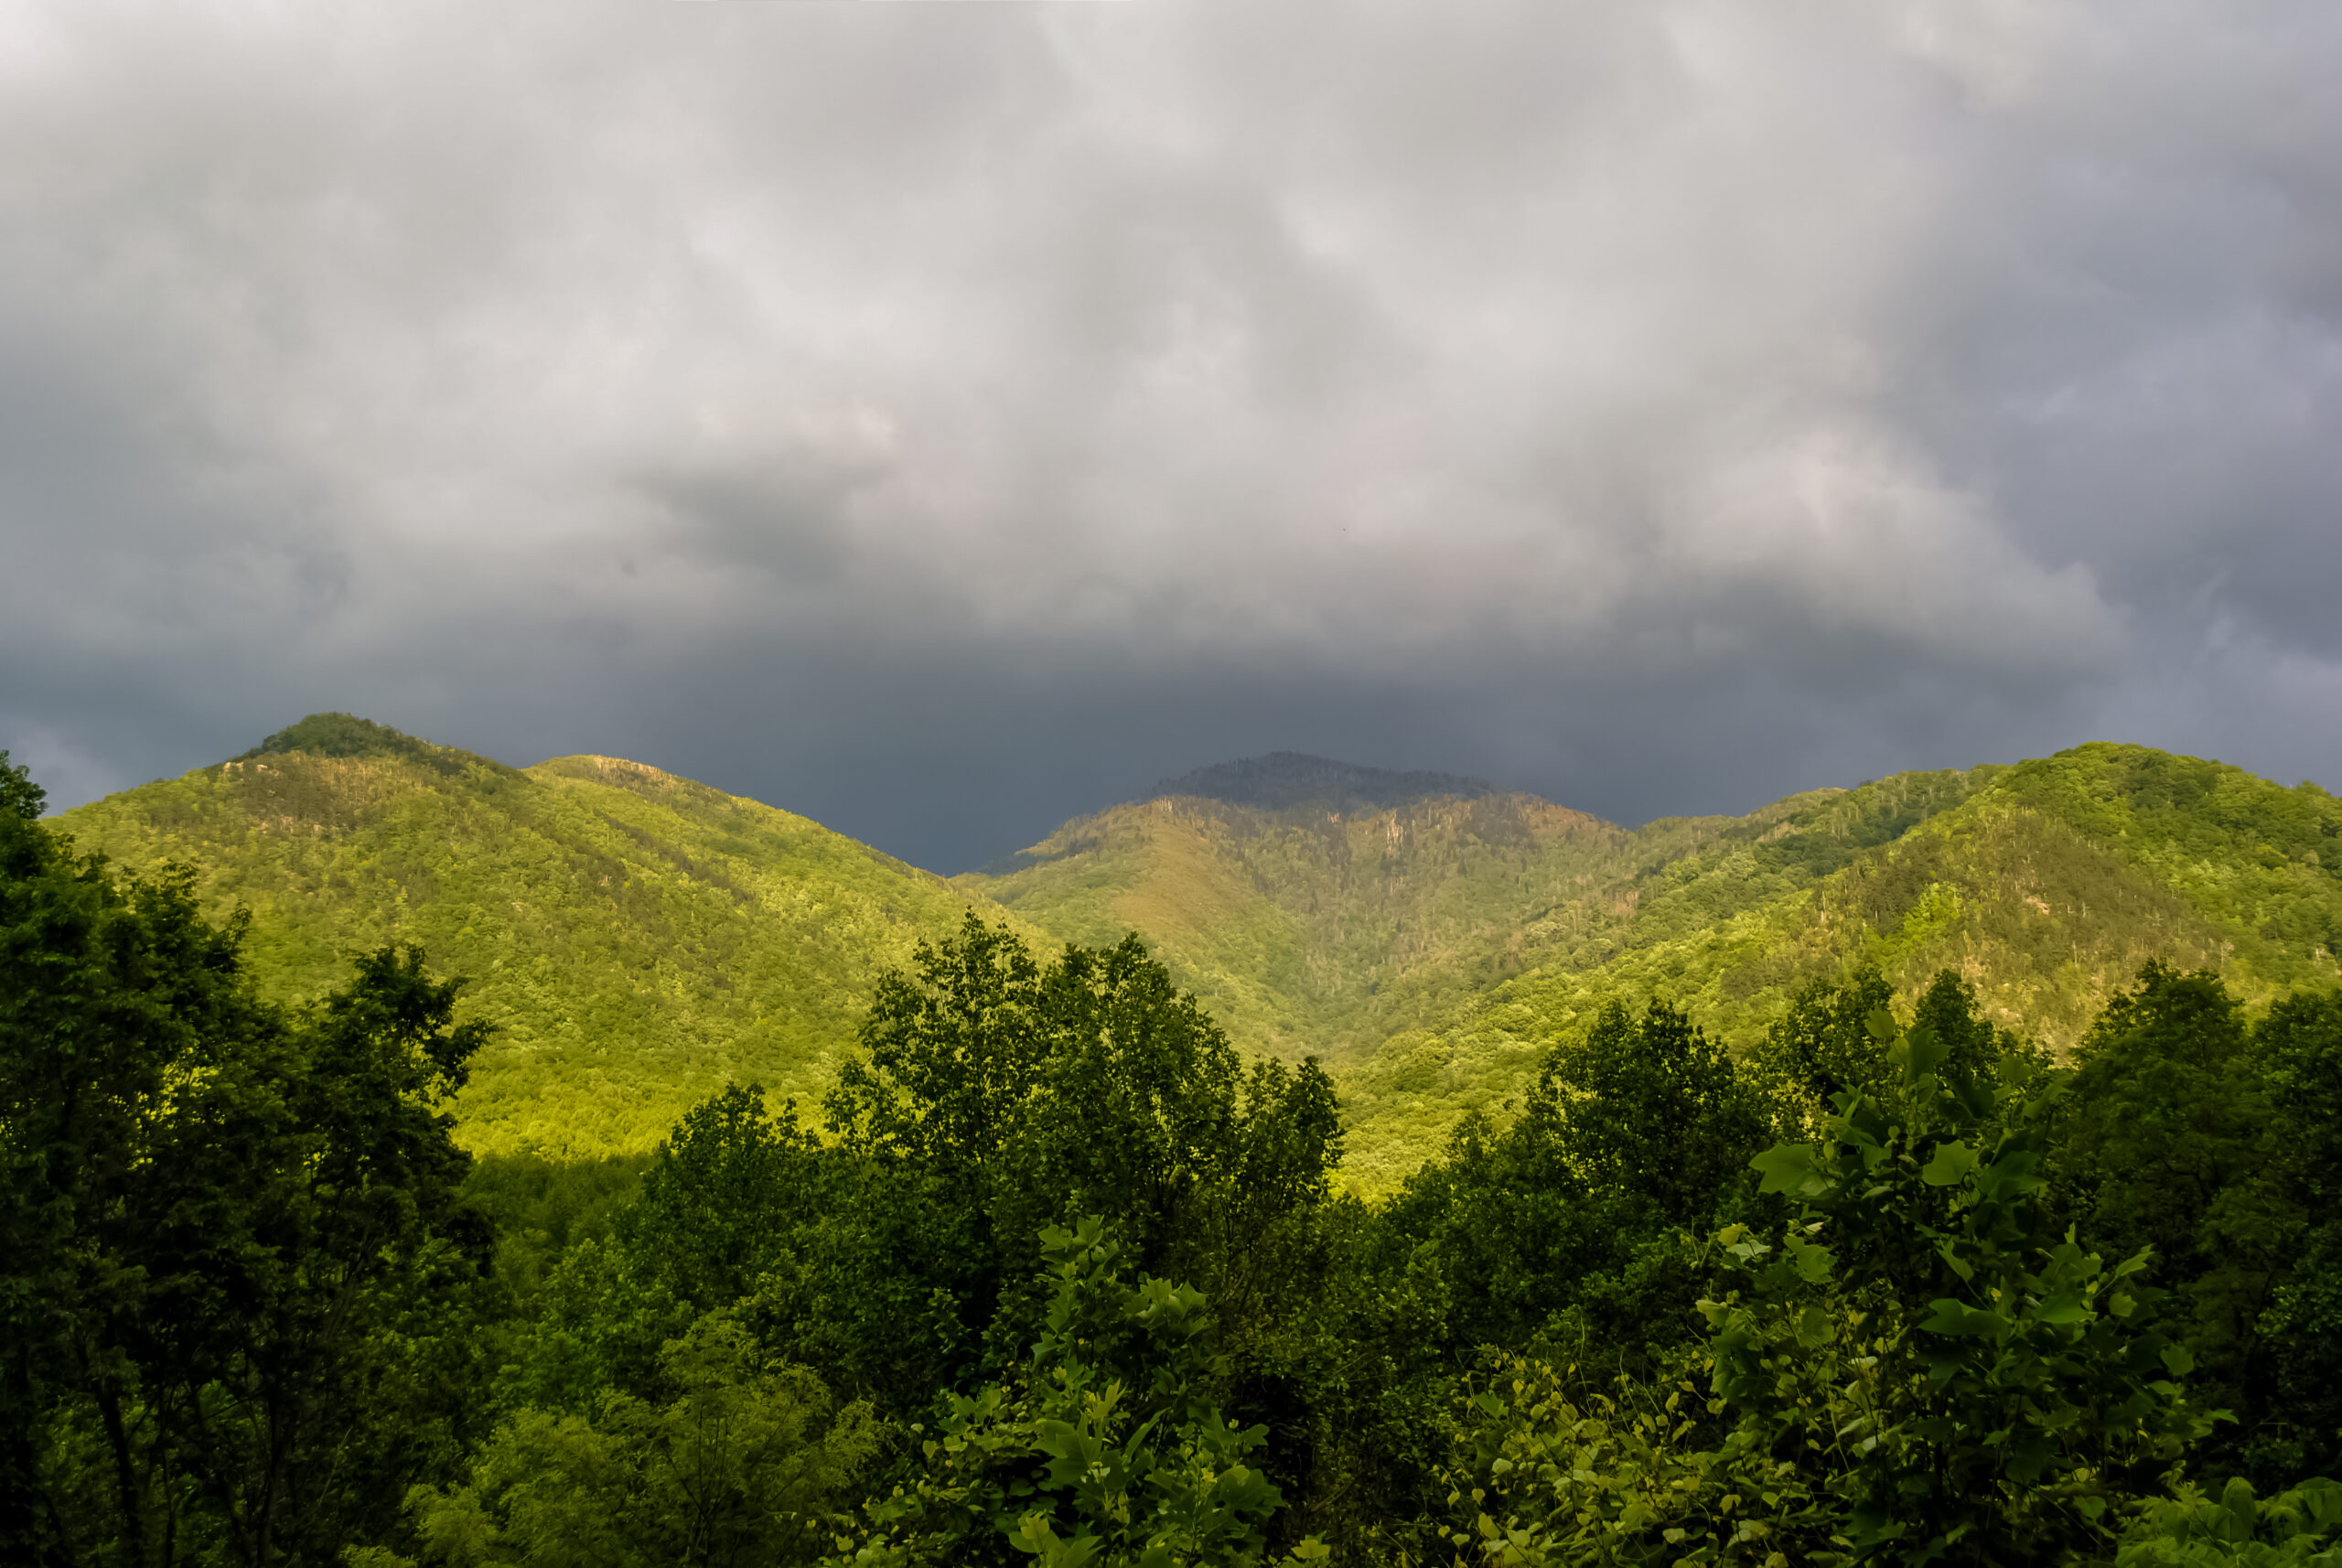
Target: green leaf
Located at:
point(1959, 1318)
point(1928, 1050)
point(1791, 1169)
point(1951, 1164)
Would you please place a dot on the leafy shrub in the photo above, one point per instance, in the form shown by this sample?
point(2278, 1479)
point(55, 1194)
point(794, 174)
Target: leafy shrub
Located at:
point(743, 1466)
point(2299, 1529)
point(1916, 1367)
point(1554, 1472)
point(1106, 1451)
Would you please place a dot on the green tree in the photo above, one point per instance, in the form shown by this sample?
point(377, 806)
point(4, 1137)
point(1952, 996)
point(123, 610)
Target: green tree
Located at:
point(725, 1193)
point(2298, 1529)
point(225, 1230)
point(20, 796)
point(743, 1464)
point(1922, 1343)
point(1652, 1114)
point(1822, 1047)
point(1577, 1221)
point(999, 1096)
point(2293, 1410)
point(1106, 1448)
point(2170, 1140)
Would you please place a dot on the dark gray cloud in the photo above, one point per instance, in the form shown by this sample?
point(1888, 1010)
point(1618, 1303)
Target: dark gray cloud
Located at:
point(941, 419)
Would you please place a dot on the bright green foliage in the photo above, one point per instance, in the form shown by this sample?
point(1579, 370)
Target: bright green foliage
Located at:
point(640, 940)
point(2044, 886)
point(1429, 947)
point(1107, 1449)
point(637, 939)
point(2299, 1529)
point(230, 1233)
point(744, 1466)
point(1966, 1382)
point(1319, 917)
point(1552, 1472)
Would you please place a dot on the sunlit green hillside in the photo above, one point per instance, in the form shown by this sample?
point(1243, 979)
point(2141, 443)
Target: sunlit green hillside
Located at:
point(1319, 917)
point(1430, 938)
point(636, 939)
point(1329, 909)
point(639, 939)
point(2046, 884)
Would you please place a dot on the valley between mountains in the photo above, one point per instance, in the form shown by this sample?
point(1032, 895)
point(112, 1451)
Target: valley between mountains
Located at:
point(638, 939)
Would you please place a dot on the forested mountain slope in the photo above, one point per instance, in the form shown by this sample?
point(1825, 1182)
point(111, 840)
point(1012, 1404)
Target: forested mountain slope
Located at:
point(637, 939)
point(1328, 908)
point(1312, 906)
point(2046, 886)
point(1431, 937)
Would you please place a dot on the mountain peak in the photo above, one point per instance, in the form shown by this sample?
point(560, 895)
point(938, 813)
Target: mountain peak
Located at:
point(347, 736)
point(1284, 779)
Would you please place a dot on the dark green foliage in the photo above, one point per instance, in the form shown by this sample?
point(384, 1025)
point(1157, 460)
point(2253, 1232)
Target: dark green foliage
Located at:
point(1633, 1136)
point(244, 1269)
point(2297, 1529)
point(741, 1463)
point(1551, 1468)
point(729, 1185)
point(543, 1207)
point(1824, 1046)
point(1287, 780)
point(1653, 1114)
point(20, 796)
point(1919, 1367)
point(1000, 1097)
point(230, 1231)
point(347, 736)
point(2171, 1141)
point(1965, 1381)
point(1976, 1055)
point(1106, 1448)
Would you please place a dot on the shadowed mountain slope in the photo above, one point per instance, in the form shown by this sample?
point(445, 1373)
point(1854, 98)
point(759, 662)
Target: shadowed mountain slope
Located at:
point(638, 939)
point(1285, 781)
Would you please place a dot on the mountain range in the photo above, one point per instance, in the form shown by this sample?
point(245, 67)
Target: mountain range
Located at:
point(638, 939)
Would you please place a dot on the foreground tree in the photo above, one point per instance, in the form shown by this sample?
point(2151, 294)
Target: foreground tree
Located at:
point(1105, 1448)
point(224, 1227)
point(998, 1096)
point(740, 1464)
point(1921, 1365)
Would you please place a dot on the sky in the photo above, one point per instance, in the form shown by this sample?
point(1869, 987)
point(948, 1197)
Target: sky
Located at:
point(943, 419)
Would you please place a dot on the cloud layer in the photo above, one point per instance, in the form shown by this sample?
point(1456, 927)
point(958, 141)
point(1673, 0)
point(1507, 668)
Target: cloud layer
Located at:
point(942, 418)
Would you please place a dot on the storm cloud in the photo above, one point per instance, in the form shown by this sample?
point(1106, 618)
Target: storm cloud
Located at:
point(940, 419)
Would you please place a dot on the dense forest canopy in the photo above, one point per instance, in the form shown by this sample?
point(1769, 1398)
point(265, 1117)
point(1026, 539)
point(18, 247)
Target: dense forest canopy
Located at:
point(1052, 1272)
